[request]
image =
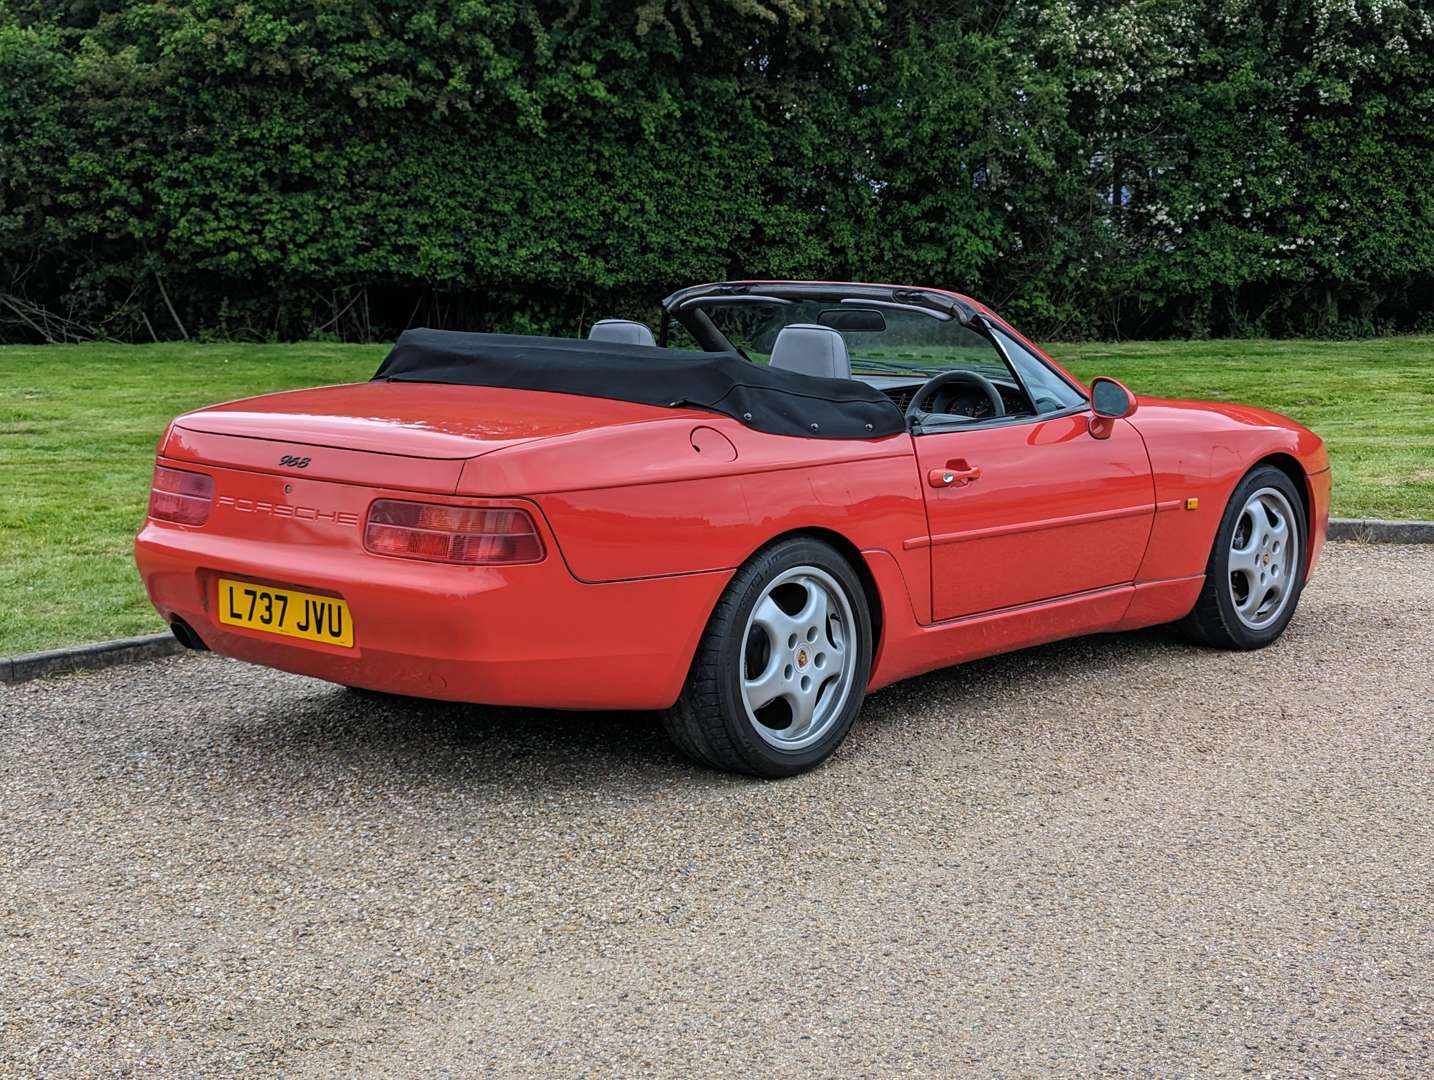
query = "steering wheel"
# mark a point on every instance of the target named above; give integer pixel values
(915, 414)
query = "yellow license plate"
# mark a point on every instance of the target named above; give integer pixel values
(285, 611)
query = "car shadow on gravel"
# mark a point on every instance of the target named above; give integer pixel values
(463, 744)
(469, 744)
(992, 678)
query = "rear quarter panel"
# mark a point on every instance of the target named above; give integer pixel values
(681, 497)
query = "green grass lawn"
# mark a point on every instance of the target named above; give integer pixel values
(1371, 401)
(78, 426)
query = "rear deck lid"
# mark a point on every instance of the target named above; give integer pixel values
(415, 436)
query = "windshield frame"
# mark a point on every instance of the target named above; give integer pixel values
(686, 306)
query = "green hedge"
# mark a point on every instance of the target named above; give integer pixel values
(279, 169)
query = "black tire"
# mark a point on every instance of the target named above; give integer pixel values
(710, 722)
(1215, 620)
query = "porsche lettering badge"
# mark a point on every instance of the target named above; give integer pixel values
(300, 513)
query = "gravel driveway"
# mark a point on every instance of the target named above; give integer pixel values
(1121, 855)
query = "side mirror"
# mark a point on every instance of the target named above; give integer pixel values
(1109, 401)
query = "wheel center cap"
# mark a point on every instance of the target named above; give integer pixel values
(1267, 558)
(801, 658)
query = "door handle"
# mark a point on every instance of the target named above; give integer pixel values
(955, 474)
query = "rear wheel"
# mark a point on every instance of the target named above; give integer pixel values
(781, 670)
(1256, 568)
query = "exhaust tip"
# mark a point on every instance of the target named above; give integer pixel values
(185, 635)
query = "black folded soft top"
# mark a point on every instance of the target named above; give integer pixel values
(766, 399)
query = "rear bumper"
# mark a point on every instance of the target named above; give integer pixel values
(522, 635)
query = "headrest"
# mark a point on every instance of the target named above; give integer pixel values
(811, 350)
(623, 331)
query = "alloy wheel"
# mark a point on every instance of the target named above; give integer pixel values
(1264, 557)
(799, 658)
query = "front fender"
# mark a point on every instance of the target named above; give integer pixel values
(1199, 451)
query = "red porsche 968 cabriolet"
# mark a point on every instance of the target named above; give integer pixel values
(791, 495)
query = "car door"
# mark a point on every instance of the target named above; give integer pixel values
(1032, 507)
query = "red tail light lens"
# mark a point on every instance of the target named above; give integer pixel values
(454, 534)
(183, 497)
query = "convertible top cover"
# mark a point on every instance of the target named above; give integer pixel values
(766, 399)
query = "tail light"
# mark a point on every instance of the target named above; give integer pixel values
(454, 534)
(183, 497)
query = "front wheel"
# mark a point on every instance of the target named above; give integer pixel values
(782, 668)
(1257, 566)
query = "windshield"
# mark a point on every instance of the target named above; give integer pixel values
(879, 340)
